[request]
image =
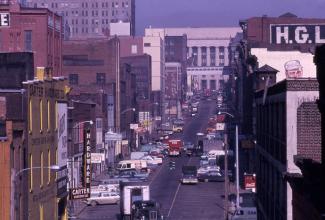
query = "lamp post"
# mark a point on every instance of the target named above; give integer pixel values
(53, 167)
(237, 160)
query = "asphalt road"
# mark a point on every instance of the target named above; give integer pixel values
(198, 202)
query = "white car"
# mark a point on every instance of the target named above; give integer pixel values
(152, 160)
(105, 188)
(103, 198)
(205, 169)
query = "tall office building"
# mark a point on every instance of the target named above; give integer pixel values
(87, 18)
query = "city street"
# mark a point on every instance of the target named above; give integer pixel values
(178, 201)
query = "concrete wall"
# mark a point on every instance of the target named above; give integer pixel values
(154, 46)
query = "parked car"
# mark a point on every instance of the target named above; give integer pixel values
(177, 128)
(152, 159)
(105, 188)
(210, 175)
(133, 174)
(103, 198)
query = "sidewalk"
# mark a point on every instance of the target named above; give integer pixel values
(79, 205)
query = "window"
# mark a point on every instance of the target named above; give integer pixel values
(56, 162)
(147, 44)
(48, 164)
(100, 78)
(42, 170)
(30, 115)
(41, 212)
(0, 40)
(28, 40)
(48, 116)
(31, 172)
(41, 114)
(56, 114)
(134, 49)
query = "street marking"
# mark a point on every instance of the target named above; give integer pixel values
(171, 207)
(174, 199)
(156, 174)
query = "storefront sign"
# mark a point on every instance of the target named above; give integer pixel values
(4, 20)
(297, 34)
(79, 193)
(111, 136)
(133, 126)
(220, 126)
(97, 157)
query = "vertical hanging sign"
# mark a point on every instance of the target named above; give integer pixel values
(87, 159)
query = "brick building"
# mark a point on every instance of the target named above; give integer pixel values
(33, 30)
(287, 128)
(86, 18)
(131, 46)
(44, 95)
(12, 130)
(31, 132)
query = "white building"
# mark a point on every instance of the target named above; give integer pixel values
(209, 53)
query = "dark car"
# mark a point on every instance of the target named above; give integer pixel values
(146, 210)
(211, 176)
(133, 175)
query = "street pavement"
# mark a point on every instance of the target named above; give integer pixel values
(203, 201)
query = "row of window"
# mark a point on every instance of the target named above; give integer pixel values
(74, 78)
(42, 168)
(41, 115)
(104, 5)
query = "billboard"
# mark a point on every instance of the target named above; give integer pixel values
(62, 134)
(297, 33)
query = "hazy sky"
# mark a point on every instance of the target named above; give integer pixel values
(200, 13)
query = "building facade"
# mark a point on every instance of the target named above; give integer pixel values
(173, 89)
(14, 69)
(86, 19)
(43, 97)
(287, 126)
(209, 52)
(33, 30)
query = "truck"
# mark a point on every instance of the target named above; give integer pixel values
(189, 175)
(131, 192)
(175, 147)
(137, 155)
(140, 165)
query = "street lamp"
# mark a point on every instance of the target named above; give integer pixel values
(83, 122)
(237, 160)
(53, 167)
(126, 110)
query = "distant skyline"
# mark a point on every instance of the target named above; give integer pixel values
(218, 13)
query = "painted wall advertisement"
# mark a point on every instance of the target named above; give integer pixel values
(62, 134)
(62, 149)
(297, 33)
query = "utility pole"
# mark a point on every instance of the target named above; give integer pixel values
(226, 176)
(237, 170)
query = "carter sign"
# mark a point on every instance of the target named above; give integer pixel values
(297, 34)
(4, 19)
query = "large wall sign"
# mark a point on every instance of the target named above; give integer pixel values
(4, 20)
(297, 34)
